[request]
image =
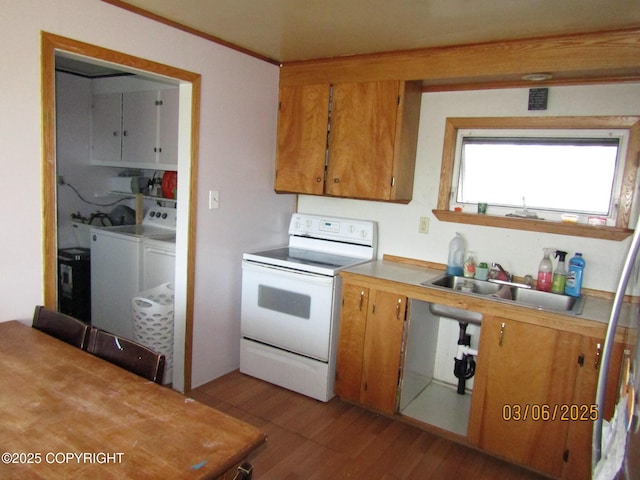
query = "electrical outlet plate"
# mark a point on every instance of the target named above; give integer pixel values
(423, 227)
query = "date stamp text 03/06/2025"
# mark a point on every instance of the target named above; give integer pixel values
(541, 412)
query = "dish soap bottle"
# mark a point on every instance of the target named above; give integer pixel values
(470, 266)
(545, 272)
(560, 273)
(456, 255)
(573, 286)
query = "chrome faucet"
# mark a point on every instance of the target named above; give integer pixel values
(507, 276)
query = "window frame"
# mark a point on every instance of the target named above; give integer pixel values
(622, 228)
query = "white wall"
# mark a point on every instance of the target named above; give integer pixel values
(518, 251)
(237, 145)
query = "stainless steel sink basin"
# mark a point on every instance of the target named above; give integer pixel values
(465, 285)
(546, 300)
(516, 294)
(466, 316)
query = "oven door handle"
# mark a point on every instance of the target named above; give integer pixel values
(289, 272)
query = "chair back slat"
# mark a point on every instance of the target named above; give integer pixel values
(127, 354)
(61, 326)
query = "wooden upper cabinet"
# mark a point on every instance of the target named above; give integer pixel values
(370, 151)
(302, 139)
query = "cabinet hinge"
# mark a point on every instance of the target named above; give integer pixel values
(565, 455)
(373, 309)
(581, 360)
(393, 181)
(158, 103)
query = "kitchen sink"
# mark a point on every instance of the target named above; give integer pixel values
(465, 316)
(465, 285)
(505, 291)
(545, 300)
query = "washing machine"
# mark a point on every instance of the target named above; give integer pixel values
(117, 268)
(158, 260)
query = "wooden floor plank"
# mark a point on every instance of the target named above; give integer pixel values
(312, 440)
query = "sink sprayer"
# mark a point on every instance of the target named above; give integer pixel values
(464, 364)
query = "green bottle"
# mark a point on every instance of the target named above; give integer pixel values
(560, 273)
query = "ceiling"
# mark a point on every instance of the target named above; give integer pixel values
(290, 30)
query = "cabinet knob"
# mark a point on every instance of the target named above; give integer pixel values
(361, 300)
(116, 133)
(336, 180)
(318, 179)
(125, 133)
(398, 308)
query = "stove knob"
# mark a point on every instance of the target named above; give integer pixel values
(164, 215)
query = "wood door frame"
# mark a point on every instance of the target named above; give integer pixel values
(50, 43)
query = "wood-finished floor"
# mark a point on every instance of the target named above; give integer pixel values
(312, 440)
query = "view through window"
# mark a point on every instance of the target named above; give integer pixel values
(577, 172)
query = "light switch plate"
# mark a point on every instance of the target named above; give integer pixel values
(214, 199)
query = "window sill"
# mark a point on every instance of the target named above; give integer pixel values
(574, 229)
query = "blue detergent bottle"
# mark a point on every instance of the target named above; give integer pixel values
(573, 286)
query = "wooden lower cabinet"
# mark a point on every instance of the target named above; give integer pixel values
(369, 346)
(578, 464)
(527, 375)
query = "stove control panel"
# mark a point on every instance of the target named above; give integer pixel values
(348, 230)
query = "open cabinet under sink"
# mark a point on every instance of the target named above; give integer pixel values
(428, 387)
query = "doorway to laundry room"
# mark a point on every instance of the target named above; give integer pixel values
(118, 160)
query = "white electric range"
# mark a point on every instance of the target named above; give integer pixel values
(290, 302)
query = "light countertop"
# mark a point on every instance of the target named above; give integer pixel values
(408, 279)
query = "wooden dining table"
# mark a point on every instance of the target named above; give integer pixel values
(65, 413)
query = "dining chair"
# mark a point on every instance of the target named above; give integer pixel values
(127, 354)
(61, 326)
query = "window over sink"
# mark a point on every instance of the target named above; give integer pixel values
(553, 174)
(542, 174)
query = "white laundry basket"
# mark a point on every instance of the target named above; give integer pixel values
(153, 322)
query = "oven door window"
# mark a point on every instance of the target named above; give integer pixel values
(287, 309)
(284, 301)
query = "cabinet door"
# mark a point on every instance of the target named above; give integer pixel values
(353, 320)
(302, 139)
(362, 139)
(139, 127)
(106, 128)
(382, 349)
(578, 464)
(168, 127)
(523, 370)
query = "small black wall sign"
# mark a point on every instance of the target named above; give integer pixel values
(538, 98)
